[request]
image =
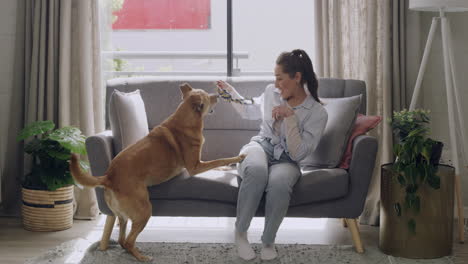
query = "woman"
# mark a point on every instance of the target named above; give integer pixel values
(293, 122)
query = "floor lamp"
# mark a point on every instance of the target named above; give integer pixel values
(456, 123)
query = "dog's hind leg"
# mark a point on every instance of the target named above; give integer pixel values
(139, 213)
(110, 220)
(123, 230)
(137, 226)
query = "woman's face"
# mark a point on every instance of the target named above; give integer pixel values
(284, 83)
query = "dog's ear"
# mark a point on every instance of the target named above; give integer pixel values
(185, 89)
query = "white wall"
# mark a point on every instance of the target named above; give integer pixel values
(7, 44)
(433, 85)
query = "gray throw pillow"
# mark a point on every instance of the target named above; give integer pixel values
(128, 118)
(342, 114)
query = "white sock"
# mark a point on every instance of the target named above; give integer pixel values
(268, 252)
(244, 249)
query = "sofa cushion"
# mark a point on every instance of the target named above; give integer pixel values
(213, 185)
(362, 125)
(224, 143)
(339, 88)
(317, 185)
(128, 118)
(162, 96)
(222, 186)
(342, 113)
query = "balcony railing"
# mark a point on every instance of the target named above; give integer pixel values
(149, 55)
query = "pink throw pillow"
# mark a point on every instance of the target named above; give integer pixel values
(362, 125)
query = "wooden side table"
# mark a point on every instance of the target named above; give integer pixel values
(434, 222)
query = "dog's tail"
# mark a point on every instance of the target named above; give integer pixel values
(84, 178)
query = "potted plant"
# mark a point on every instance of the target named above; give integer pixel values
(411, 130)
(48, 189)
(416, 158)
(416, 192)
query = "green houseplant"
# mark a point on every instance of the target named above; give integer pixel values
(416, 198)
(416, 158)
(47, 191)
(51, 150)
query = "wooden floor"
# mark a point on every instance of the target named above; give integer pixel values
(17, 244)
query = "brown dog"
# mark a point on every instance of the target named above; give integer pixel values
(173, 145)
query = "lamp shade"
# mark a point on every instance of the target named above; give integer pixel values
(436, 5)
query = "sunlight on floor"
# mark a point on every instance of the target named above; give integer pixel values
(219, 230)
(78, 252)
(163, 222)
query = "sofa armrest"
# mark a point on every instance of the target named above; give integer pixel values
(361, 169)
(100, 154)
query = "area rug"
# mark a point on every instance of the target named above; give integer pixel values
(83, 252)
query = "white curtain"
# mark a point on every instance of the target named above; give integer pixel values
(354, 41)
(81, 95)
(58, 78)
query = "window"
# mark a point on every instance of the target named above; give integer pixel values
(190, 37)
(265, 28)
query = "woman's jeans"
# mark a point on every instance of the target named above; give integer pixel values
(260, 173)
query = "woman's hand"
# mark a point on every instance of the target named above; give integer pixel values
(225, 86)
(280, 112)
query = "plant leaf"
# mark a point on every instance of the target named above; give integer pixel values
(396, 149)
(70, 138)
(411, 189)
(426, 151)
(407, 201)
(33, 147)
(434, 181)
(55, 178)
(62, 155)
(418, 132)
(401, 180)
(397, 208)
(412, 226)
(417, 204)
(35, 128)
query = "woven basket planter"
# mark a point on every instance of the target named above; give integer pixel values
(47, 210)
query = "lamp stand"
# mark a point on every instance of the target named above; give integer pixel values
(456, 123)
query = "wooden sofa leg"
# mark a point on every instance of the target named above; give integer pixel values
(110, 220)
(353, 227)
(343, 220)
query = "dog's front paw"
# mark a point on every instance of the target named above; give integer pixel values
(241, 157)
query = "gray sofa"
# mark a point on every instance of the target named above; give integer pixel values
(320, 192)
